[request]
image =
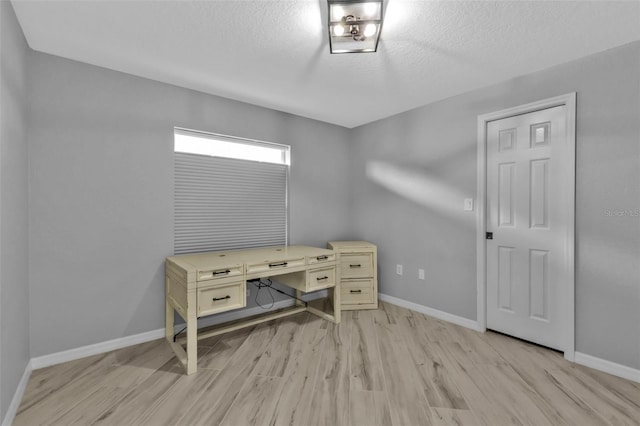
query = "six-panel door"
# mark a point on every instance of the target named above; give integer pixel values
(525, 259)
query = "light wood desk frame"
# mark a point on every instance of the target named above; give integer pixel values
(203, 284)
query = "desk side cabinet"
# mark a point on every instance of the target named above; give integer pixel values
(358, 272)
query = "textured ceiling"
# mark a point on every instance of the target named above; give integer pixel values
(275, 53)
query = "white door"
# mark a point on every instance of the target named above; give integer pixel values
(527, 187)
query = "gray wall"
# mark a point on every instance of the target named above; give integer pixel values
(101, 153)
(411, 172)
(14, 285)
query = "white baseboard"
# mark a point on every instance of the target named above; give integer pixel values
(97, 348)
(445, 316)
(607, 366)
(17, 396)
(123, 342)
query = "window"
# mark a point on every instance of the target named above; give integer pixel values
(230, 193)
(191, 142)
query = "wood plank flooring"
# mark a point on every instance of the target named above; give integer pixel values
(391, 366)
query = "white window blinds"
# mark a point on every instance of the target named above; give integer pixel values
(228, 203)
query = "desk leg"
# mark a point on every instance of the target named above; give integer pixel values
(192, 333)
(298, 295)
(168, 314)
(336, 303)
(169, 325)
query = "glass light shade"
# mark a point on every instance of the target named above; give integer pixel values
(337, 12)
(371, 9)
(369, 30)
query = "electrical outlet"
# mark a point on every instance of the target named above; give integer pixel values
(421, 274)
(399, 269)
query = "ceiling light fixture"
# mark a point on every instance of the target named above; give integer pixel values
(354, 25)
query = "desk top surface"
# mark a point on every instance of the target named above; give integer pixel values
(219, 259)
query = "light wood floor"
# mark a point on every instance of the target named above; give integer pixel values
(386, 367)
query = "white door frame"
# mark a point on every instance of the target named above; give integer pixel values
(568, 305)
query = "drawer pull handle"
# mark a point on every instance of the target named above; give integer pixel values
(215, 299)
(273, 265)
(357, 265)
(322, 278)
(221, 272)
(356, 291)
(322, 257)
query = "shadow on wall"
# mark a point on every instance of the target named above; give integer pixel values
(418, 186)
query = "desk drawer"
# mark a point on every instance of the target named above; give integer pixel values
(321, 278)
(275, 265)
(356, 265)
(313, 260)
(357, 292)
(229, 271)
(221, 298)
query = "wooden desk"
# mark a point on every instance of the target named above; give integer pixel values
(202, 284)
